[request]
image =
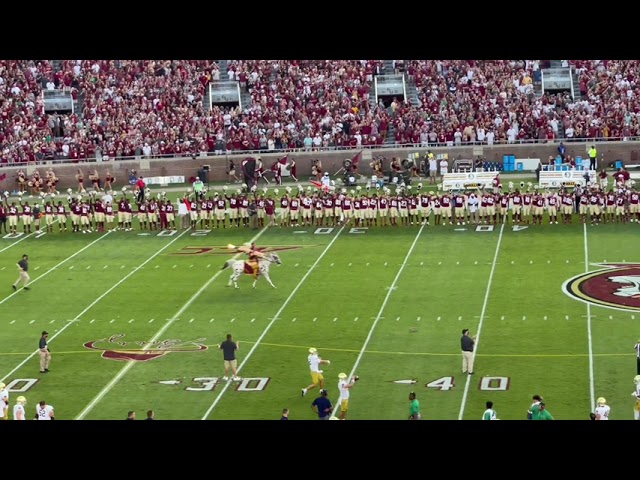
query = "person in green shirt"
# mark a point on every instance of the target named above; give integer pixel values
(414, 408)
(534, 409)
(490, 413)
(543, 413)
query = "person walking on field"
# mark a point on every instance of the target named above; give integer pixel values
(45, 354)
(467, 344)
(229, 349)
(23, 267)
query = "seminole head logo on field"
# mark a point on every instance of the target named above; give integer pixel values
(616, 286)
(114, 348)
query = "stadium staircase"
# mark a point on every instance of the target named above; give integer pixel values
(57, 65)
(387, 65)
(576, 84)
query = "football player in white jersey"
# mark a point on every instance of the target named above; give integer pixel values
(4, 402)
(344, 386)
(44, 411)
(602, 409)
(18, 408)
(317, 379)
(636, 394)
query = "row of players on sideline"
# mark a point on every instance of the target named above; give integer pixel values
(322, 208)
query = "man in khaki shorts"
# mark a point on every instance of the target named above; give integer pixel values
(23, 267)
(229, 349)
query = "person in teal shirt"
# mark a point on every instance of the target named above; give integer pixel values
(543, 413)
(414, 408)
(534, 410)
(490, 413)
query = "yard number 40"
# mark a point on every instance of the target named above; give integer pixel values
(487, 384)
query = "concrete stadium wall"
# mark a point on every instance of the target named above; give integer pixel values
(331, 161)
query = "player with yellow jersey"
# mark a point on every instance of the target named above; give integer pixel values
(344, 385)
(636, 394)
(317, 379)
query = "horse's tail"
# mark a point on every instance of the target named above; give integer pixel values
(227, 264)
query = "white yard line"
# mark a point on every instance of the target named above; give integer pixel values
(13, 244)
(56, 266)
(589, 335)
(96, 300)
(482, 314)
(379, 316)
(112, 383)
(273, 320)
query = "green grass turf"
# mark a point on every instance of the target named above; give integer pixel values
(351, 295)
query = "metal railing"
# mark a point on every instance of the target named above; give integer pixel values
(586, 142)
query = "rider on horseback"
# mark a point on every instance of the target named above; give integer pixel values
(254, 254)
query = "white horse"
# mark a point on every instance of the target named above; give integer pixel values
(241, 267)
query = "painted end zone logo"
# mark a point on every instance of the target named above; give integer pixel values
(224, 250)
(113, 348)
(616, 286)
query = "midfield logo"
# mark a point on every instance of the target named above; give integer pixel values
(616, 286)
(224, 250)
(113, 348)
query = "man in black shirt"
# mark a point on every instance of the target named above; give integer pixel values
(229, 349)
(23, 267)
(466, 344)
(322, 406)
(45, 354)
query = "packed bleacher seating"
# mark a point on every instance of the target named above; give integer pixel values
(152, 108)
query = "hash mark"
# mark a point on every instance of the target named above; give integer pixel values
(336, 318)
(459, 318)
(34, 268)
(438, 318)
(296, 264)
(355, 319)
(232, 320)
(253, 320)
(367, 264)
(92, 320)
(6, 267)
(315, 318)
(501, 317)
(545, 317)
(439, 263)
(421, 263)
(457, 263)
(294, 319)
(191, 321)
(151, 320)
(331, 265)
(105, 267)
(566, 317)
(548, 261)
(397, 319)
(208, 265)
(566, 261)
(418, 319)
(31, 322)
(157, 266)
(633, 317)
(112, 320)
(385, 264)
(475, 263)
(610, 317)
(122, 267)
(174, 266)
(211, 320)
(524, 317)
(349, 264)
(131, 320)
(12, 322)
(530, 262)
(190, 266)
(512, 262)
(51, 321)
(71, 267)
(88, 267)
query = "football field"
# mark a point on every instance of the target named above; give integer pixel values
(135, 319)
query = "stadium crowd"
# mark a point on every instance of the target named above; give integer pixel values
(152, 108)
